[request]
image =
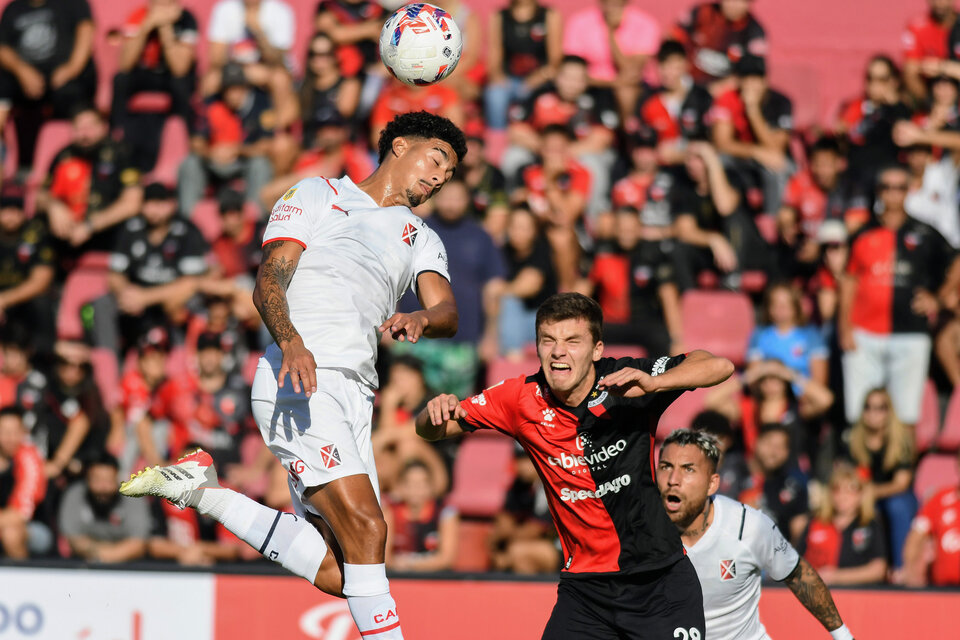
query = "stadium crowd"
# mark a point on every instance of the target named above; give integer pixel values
(652, 166)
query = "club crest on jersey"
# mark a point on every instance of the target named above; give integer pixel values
(409, 235)
(728, 569)
(330, 456)
(289, 193)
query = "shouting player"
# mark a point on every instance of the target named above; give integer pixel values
(337, 257)
(730, 544)
(588, 423)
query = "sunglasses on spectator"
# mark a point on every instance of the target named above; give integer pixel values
(886, 186)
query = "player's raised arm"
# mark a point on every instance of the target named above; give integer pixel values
(813, 594)
(441, 418)
(698, 369)
(280, 259)
(437, 319)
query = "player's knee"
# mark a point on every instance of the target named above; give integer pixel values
(369, 527)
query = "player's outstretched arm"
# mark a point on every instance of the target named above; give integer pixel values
(813, 594)
(437, 319)
(699, 369)
(440, 418)
(280, 259)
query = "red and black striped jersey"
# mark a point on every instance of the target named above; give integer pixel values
(596, 463)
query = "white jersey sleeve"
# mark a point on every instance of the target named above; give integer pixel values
(300, 212)
(429, 255)
(773, 553)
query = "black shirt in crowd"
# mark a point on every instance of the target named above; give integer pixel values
(181, 253)
(42, 33)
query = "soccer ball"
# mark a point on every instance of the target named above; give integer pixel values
(420, 44)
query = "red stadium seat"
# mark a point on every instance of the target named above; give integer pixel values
(473, 549)
(54, 136)
(174, 147)
(149, 102)
(482, 474)
(206, 215)
(928, 426)
(935, 471)
(504, 369)
(83, 285)
(106, 373)
(718, 321)
(949, 439)
(680, 414)
(624, 351)
(767, 226)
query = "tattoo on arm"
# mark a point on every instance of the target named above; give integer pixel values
(272, 282)
(813, 594)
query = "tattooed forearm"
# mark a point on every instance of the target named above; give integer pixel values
(270, 294)
(813, 594)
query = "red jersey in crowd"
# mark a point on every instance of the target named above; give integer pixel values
(597, 465)
(354, 163)
(631, 191)
(185, 31)
(776, 108)
(575, 179)
(715, 43)
(826, 546)
(940, 518)
(238, 255)
(23, 484)
(672, 120)
(889, 267)
(399, 98)
(814, 205)
(925, 38)
(135, 396)
(420, 533)
(594, 108)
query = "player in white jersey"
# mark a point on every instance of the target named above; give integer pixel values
(337, 257)
(731, 544)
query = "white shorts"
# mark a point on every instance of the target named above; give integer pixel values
(897, 362)
(316, 439)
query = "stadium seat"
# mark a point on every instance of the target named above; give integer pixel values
(935, 471)
(149, 102)
(718, 321)
(106, 373)
(473, 550)
(928, 426)
(623, 351)
(206, 215)
(680, 414)
(482, 474)
(504, 369)
(767, 226)
(949, 439)
(83, 285)
(174, 147)
(54, 136)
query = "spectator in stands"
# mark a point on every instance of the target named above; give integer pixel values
(589, 112)
(937, 522)
(752, 124)
(422, 530)
(257, 35)
(635, 284)
(26, 271)
(717, 35)
(397, 97)
(395, 441)
(825, 284)
(218, 314)
(941, 112)
(523, 52)
(867, 122)
(733, 469)
(206, 405)
(93, 186)
(714, 231)
(468, 76)
(487, 186)
(232, 142)
(784, 335)
(845, 542)
(529, 281)
(925, 43)
(20, 383)
(100, 525)
(932, 194)
(158, 54)
(354, 26)
(556, 190)
(883, 321)
(616, 40)
(677, 109)
(138, 386)
(777, 486)
(154, 271)
(883, 448)
(22, 483)
(234, 258)
(46, 66)
(524, 540)
(476, 273)
(645, 188)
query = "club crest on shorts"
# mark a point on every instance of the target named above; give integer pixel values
(409, 235)
(330, 456)
(728, 569)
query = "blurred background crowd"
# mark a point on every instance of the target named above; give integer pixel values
(651, 165)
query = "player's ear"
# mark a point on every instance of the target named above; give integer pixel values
(714, 484)
(400, 146)
(597, 350)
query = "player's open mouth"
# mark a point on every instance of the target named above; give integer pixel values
(559, 366)
(673, 503)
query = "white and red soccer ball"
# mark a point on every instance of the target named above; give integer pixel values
(420, 44)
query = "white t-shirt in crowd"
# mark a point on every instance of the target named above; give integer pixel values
(740, 544)
(228, 26)
(358, 260)
(935, 202)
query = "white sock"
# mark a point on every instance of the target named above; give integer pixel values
(288, 540)
(368, 596)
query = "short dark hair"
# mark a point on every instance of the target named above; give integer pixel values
(712, 422)
(13, 411)
(558, 129)
(826, 144)
(890, 166)
(102, 458)
(415, 464)
(569, 306)
(84, 107)
(706, 442)
(572, 59)
(423, 125)
(670, 48)
(774, 427)
(230, 200)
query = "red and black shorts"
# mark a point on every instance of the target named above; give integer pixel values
(654, 605)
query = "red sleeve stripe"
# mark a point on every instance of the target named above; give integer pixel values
(299, 242)
(376, 632)
(331, 186)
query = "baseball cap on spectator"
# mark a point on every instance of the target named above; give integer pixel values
(750, 65)
(12, 196)
(644, 136)
(156, 338)
(158, 191)
(474, 130)
(230, 200)
(233, 76)
(832, 232)
(209, 340)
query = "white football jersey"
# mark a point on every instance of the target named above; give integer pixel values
(358, 260)
(740, 544)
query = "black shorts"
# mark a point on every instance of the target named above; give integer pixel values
(658, 605)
